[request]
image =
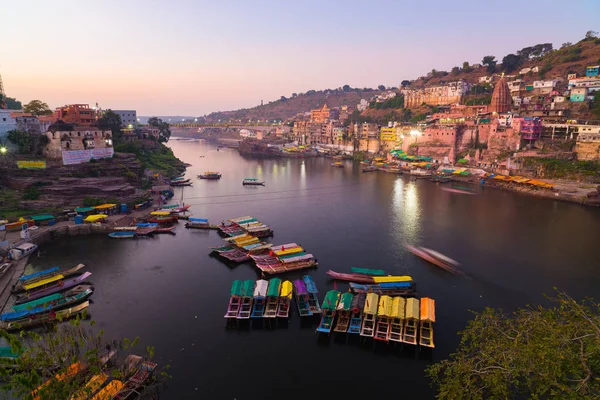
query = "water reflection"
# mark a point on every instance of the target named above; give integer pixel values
(406, 209)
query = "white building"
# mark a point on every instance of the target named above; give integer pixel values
(485, 79)
(7, 123)
(545, 84)
(515, 86)
(128, 117)
(362, 106)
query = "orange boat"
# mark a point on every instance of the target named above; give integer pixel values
(16, 226)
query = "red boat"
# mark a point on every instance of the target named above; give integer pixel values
(358, 278)
(168, 229)
(436, 259)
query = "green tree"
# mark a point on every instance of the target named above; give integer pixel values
(111, 120)
(381, 87)
(591, 34)
(165, 132)
(28, 143)
(490, 63)
(13, 104)
(466, 67)
(510, 62)
(405, 83)
(455, 70)
(37, 107)
(566, 44)
(536, 352)
(346, 88)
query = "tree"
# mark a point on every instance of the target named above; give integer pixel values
(283, 98)
(111, 120)
(591, 34)
(510, 62)
(535, 352)
(165, 132)
(405, 83)
(381, 87)
(37, 107)
(294, 94)
(455, 70)
(13, 104)
(28, 143)
(346, 88)
(490, 62)
(466, 67)
(566, 44)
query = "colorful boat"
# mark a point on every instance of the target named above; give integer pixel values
(259, 296)
(252, 182)
(337, 164)
(92, 387)
(235, 300)
(22, 250)
(367, 328)
(235, 255)
(131, 387)
(48, 317)
(367, 271)
(329, 307)
(55, 305)
(122, 235)
(165, 229)
(427, 320)
(53, 299)
(358, 304)
(26, 280)
(302, 298)
(57, 287)
(285, 299)
(343, 313)
(272, 298)
(199, 223)
(146, 224)
(397, 319)
(445, 263)
(210, 175)
(412, 315)
(246, 299)
(361, 278)
(390, 289)
(370, 168)
(18, 225)
(109, 391)
(313, 294)
(384, 315)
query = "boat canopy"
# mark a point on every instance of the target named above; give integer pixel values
(40, 218)
(146, 224)
(198, 220)
(398, 306)
(261, 288)
(300, 286)
(381, 279)
(331, 300)
(345, 301)
(236, 288)
(291, 250)
(304, 257)
(43, 282)
(412, 308)
(358, 302)
(371, 304)
(274, 287)
(394, 285)
(84, 209)
(310, 284)
(286, 289)
(37, 303)
(284, 246)
(367, 271)
(240, 218)
(293, 255)
(105, 206)
(248, 288)
(109, 390)
(385, 306)
(45, 272)
(6, 352)
(427, 309)
(95, 217)
(160, 213)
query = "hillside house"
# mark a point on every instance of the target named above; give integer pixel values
(65, 137)
(578, 94)
(592, 71)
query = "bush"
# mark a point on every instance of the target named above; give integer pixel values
(32, 193)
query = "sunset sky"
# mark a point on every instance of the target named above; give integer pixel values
(194, 57)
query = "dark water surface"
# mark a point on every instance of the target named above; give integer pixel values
(172, 294)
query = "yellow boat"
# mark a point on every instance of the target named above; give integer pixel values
(384, 313)
(291, 250)
(105, 206)
(95, 218)
(367, 328)
(385, 279)
(161, 213)
(412, 320)
(90, 387)
(396, 326)
(71, 371)
(109, 390)
(43, 282)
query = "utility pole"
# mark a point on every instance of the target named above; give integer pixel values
(2, 95)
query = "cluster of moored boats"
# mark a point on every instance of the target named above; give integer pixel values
(212, 175)
(159, 221)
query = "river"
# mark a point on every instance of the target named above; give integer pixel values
(168, 290)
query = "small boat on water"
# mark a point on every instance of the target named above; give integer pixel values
(386, 288)
(113, 387)
(459, 191)
(437, 259)
(210, 175)
(427, 320)
(4, 267)
(272, 298)
(133, 384)
(411, 322)
(329, 307)
(53, 299)
(420, 173)
(146, 224)
(252, 182)
(165, 229)
(122, 235)
(22, 250)
(384, 314)
(337, 164)
(259, 297)
(26, 280)
(367, 271)
(246, 299)
(362, 278)
(441, 178)
(47, 317)
(302, 296)
(370, 168)
(56, 287)
(343, 313)
(313, 293)
(54, 305)
(199, 223)
(356, 307)
(285, 299)
(367, 328)
(397, 319)
(233, 308)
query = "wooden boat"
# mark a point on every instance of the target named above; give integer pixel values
(272, 298)
(365, 162)
(199, 223)
(329, 307)
(259, 296)
(313, 293)
(109, 391)
(370, 168)
(441, 178)
(441, 256)
(235, 255)
(53, 299)
(356, 307)
(4, 267)
(350, 277)
(146, 225)
(252, 182)
(235, 300)
(210, 175)
(165, 229)
(384, 315)
(397, 319)
(185, 182)
(458, 191)
(412, 314)
(54, 305)
(122, 235)
(26, 280)
(48, 317)
(92, 387)
(18, 225)
(390, 289)
(22, 250)
(367, 271)
(433, 259)
(133, 384)
(57, 287)
(337, 164)
(285, 299)
(343, 313)
(302, 297)
(246, 299)
(367, 329)
(420, 173)
(427, 320)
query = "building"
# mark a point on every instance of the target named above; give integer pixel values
(592, 71)
(544, 87)
(320, 115)
(515, 86)
(65, 137)
(33, 125)
(578, 94)
(389, 133)
(369, 130)
(362, 106)
(528, 70)
(485, 79)
(79, 114)
(590, 82)
(450, 93)
(128, 117)
(529, 128)
(501, 99)
(7, 122)
(587, 145)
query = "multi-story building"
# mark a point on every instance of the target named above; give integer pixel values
(128, 117)
(578, 94)
(592, 83)
(592, 70)
(66, 138)
(529, 128)
(27, 122)
(389, 134)
(450, 93)
(80, 114)
(369, 130)
(320, 115)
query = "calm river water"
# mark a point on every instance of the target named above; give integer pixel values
(173, 295)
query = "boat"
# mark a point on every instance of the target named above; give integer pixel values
(47, 317)
(302, 296)
(164, 229)
(272, 298)
(361, 278)
(146, 224)
(96, 218)
(441, 178)
(210, 175)
(367, 271)
(235, 300)
(384, 315)
(441, 256)
(258, 298)
(313, 292)
(22, 250)
(53, 299)
(4, 267)
(18, 225)
(458, 191)
(109, 391)
(389, 288)
(365, 162)
(199, 223)
(443, 262)
(411, 321)
(370, 168)
(337, 164)
(132, 385)
(57, 287)
(397, 319)
(426, 323)
(367, 329)
(285, 299)
(252, 182)
(122, 235)
(246, 299)
(420, 173)
(92, 387)
(54, 305)
(343, 313)
(356, 307)
(235, 255)
(329, 307)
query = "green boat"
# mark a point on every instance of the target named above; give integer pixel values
(328, 306)
(367, 271)
(343, 313)
(235, 300)
(246, 299)
(272, 298)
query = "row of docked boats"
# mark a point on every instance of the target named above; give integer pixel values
(245, 225)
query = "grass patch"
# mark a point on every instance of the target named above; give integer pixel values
(159, 159)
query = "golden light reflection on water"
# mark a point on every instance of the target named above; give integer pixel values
(302, 175)
(275, 169)
(406, 211)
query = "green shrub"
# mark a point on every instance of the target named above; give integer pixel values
(32, 193)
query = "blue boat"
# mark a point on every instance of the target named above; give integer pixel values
(329, 305)
(358, 303)
(147, 224)
(122, 235)
(53, 305)
(313, 292)
(259, 298)
(40, 275)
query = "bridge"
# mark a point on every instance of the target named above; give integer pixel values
(224, 125)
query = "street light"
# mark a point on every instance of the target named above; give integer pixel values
(3, 150)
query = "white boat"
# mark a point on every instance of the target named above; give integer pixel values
(22, 250)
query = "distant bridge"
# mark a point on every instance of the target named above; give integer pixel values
(224, 125)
